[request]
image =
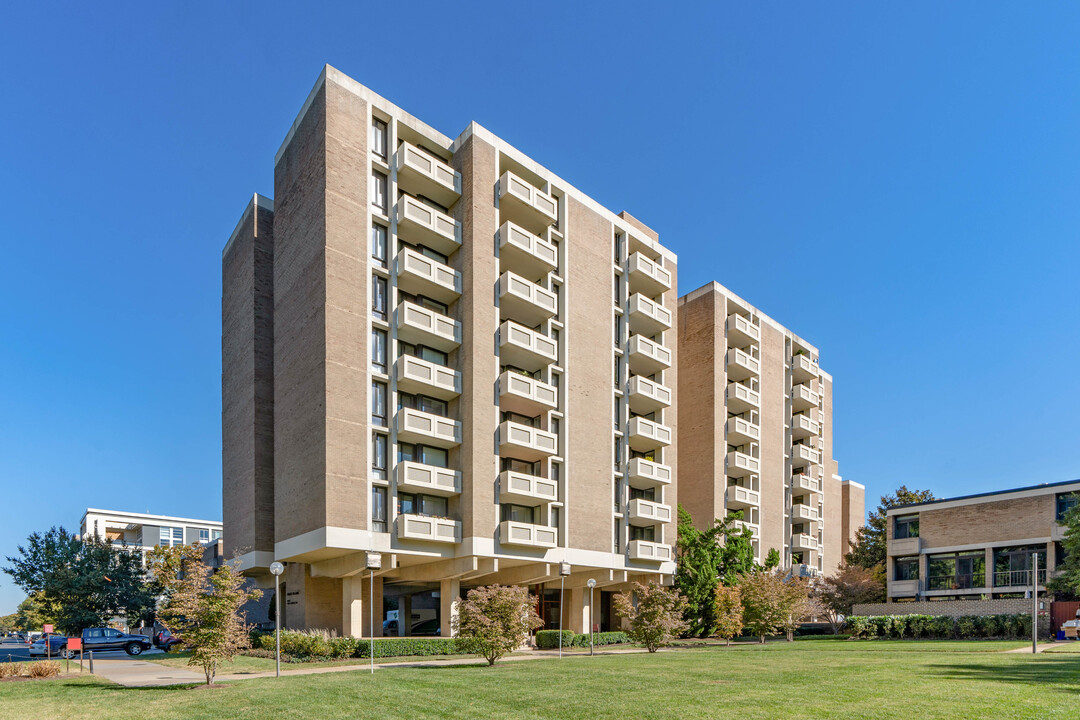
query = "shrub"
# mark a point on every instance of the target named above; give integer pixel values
(549, 639)
(857, 626)
(918, 625)
(967, 626)
(600, 638)
(655, 614)
(10, 669)
(992, 626)
(43, 669)
(410, 647)
(941, 626)
(497, 619)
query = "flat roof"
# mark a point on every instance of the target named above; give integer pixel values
(960, 498)
(147, 516)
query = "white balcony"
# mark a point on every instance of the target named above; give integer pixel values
(644, 474)
(426, 378)
(741, 365)
(527, 534)
(419, 224)
(428, 479)
(739, 464)
(648, 395)
(803, 369)
(804, 455)
(741, 332)
(418, 274)
(648, 435)
(525, 253)
(804, 513)
(647, 317)
(743, 525)
(430, 529)
(647, 276)
(802, 541)
(415, 426)
(524, 301)
(741, 398)
(649, 551)
(647, 357)
(524, 348)
(645, 512)
(802, 426)
(803, 398)
(740, 432)
(524, 489)
(741, 498)
(419, 173)
(526, 443)
(525, 204)
(801, 482)
(424, 326)
(525, 395)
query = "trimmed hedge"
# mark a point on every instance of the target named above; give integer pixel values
(549, 639)
(309, 645)
(943, 627)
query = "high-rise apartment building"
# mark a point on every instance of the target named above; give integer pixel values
(438, 350)
(756, 433)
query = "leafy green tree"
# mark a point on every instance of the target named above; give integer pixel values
(870, 546)
(772, 560)
(656, 618)
(202, 606)
(84, 583)
(728, 612)
(771, 604)
(32, 613)
(495, 620)
(1067, 580)
(705, 559)
(851, 585)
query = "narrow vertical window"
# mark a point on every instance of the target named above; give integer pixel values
(378, 350)
(378, 245)
(378, 297)
(378, 509)
(378, 191)
(378, 403)
(615, 534)
(379, 453)
(618, 371)
(618, 289)
(618, 330)
(378, 138)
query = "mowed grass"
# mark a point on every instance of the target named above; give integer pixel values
(242, 664)
(816, 679)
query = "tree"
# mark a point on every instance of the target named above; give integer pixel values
(32, 613)
(850, 585)
(705, 559)
(728, 612)
(800, 606)
(7, 623)
(201, 606)
(869, 548)
(770, 603)
(84, 583)
(1067, 580)
(772, 560)
(656, 618)
(496, 619)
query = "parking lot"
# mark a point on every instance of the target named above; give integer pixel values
(15, 651)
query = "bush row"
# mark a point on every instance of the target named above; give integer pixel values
(549, 639)
(943, 627)
(36, 669)
(308, 645)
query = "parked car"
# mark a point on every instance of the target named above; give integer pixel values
(57, 643)
(166, 640)
(111, 639)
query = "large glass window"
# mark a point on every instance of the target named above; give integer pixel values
(379, 453)
(906, 526)
(378, 138)
(379, 191)
(415, 504)
(378, 403)
(204, 535)
(956, 571)
(378, 509)
(1013, 565)
(378, 350)
(1065, 503)
(424, 353)
(378, 245)
(379, 297)
(643, 533)
(518, 513)
(168, 535)
(906, 568)
(423, 403)
(424, 454)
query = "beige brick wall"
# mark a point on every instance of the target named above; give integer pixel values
(954, 608)
(987, 522)
(775, 442)
(854, 515)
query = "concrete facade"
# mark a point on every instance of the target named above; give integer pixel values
(143, 531)
(757, 434)
(977, 547)
(443, 400)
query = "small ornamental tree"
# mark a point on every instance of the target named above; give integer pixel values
(496, 619)
(765, 602)
(799, 606)
(851, 585)
(657, 618)
(200, 606)
(729, 612)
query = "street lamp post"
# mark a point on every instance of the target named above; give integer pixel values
(277, 568)
(1034, 602)
(564, 570)
(592, 584)
(374, 562)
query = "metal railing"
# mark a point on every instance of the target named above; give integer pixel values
(956, 582)
(1017, 578)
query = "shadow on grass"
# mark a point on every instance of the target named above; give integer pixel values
(1052, 673)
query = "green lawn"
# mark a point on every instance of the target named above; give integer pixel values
(243, 664)
(817, 679)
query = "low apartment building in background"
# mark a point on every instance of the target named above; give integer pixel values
(145, 531)
(977, 547)
(756, 433)
(437, 350)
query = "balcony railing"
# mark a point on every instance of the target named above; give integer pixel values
(525, 395)
(422, 225)
(805, 483)
(418, 274)
(524, 348)
(740, 464)
(956, 582)
(527, 534)
(428, 479)
(416, 426)
(740, 432)
(523, 489)
(526, 443)
(739, 497)
(649, 551)
(647, 317)
(647, 356)
(741, 398)
(415, 375)
(646, 512)
(803, 368)
(648, 435)
(741, 365)
(422, 174)
(802, 541)
(525, 253)
(525, 301)
(803, 398)
(741, 332)
(647, 276)
(644, 474)
(423, 326)
(525, 204)
(431, 529)
(647, 395)
(1017, 578)
(802, 426)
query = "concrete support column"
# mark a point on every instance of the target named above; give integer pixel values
(577, 610)
(1050, 560)
(404, 615)
(924, 572)
(357, 606)
(449, 590)
(989, 570)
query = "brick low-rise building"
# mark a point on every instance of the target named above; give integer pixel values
(977, 546)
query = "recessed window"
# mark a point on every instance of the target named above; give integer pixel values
(168, 535)
(378, 245)
(906, 526)
(416, 504)
(906, 568)
(379, 297)
(379, 138)
(204, 535)
(379, 453)
(378, 350)
(518, 513)
(379, 185)
(378, 403)
(378, 509)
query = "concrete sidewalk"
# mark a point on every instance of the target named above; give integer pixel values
(140, 673)
(1038, 648)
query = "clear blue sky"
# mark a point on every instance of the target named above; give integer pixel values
(897, 184)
